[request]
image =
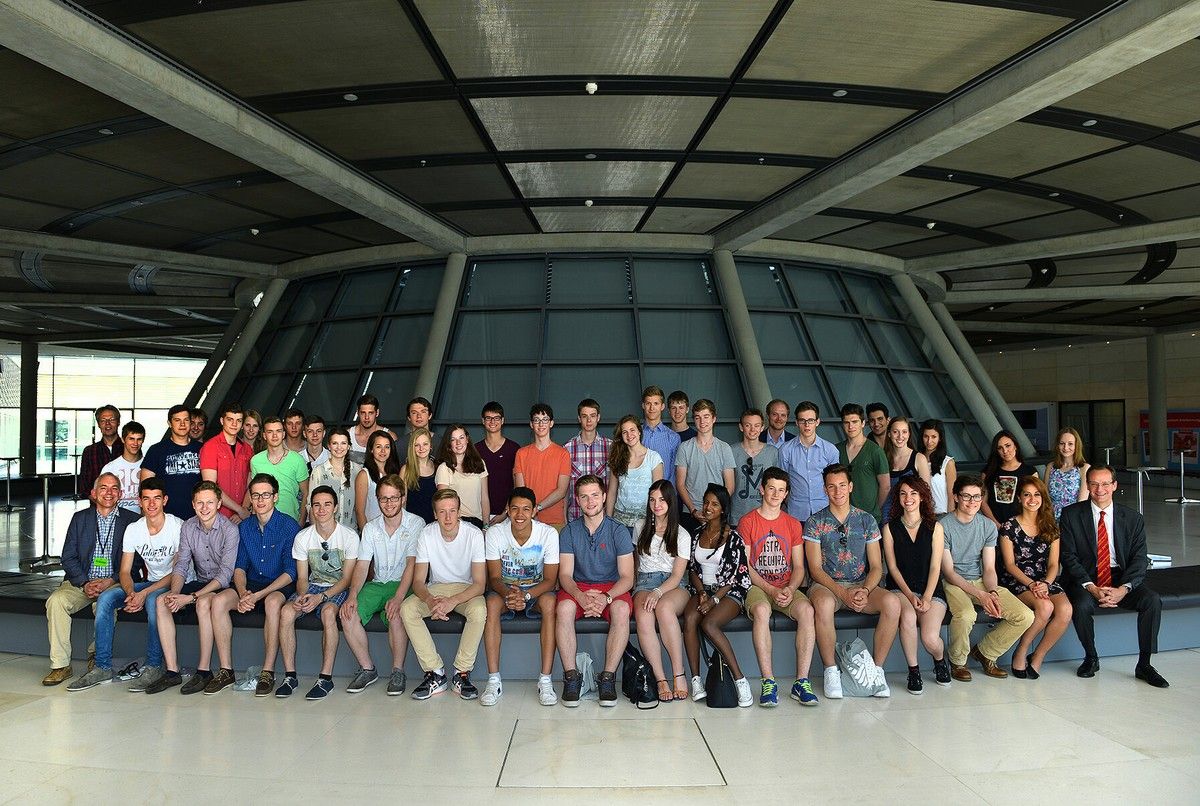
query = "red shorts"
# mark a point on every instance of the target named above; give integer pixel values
(605, 587)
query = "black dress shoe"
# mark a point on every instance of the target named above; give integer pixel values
(1151, 676)
(1029, 670)
(1088, 668)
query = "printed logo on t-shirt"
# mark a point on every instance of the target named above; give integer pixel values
(772, 563)
(749, 479)
(156, 554)
(522, 565)
(1005, 489)
(181, 464)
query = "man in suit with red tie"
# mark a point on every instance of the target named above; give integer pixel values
(1104, 554)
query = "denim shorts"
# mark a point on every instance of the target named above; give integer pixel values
(531, 610)
(650, 580)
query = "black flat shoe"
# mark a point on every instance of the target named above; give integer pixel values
(1088, 668)
(1151, 676)
(1029, 670)
(1020, 674)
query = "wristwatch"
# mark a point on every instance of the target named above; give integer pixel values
(527, 597)
(716, 600)
(324, 597)
(608, 598)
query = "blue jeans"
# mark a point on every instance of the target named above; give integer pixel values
(107, 605)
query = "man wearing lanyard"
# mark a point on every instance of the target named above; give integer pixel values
(94, 540)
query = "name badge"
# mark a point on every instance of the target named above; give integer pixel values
(100, 562)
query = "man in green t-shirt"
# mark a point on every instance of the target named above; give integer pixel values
(286, 466)
(869, 471)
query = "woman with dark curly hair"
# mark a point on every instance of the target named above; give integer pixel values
(913, 543)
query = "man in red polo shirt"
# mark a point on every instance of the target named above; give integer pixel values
(225, 459)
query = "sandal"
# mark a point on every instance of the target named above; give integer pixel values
(664, 691)
(681, 693)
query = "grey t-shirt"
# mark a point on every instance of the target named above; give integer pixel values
(747, 477)
(703, 468)
(966, 542)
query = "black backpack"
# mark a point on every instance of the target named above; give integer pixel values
(637, 679)
(722, 693)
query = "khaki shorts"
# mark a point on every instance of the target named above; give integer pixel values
(838, 604)
(756, 596)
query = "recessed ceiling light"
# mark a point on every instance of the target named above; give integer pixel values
(105, 132)
(761, 160)
(1054, 194)
(1141, 307)
(1001, 352)
(422, 163)
(949, 176)
(989, 341)
(1045, 271)
(840, 93)
(254, 230)
(1108, 342)
(237, 182)
(931, 225)
(349, 97)
(1035, 349)
(1070, 345)
(588, 203)
(591, 87)
(1090, 122)
(589, 156)
(991, 307)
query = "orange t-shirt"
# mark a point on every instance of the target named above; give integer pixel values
(541, 470)
(769, 545)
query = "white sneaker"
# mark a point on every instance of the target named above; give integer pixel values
(885, 692)
(745, 698)
(833, 683)
(546, 695)
(698, 692)
(491, 692)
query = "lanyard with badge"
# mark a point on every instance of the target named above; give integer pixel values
(100, 559)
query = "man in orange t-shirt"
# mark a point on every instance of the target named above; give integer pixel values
(545, 468)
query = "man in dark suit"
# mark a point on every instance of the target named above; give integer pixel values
(1104, 554)
(91, 559)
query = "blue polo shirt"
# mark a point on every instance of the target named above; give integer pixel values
(595, 552)
(663, 441)
(265, 553)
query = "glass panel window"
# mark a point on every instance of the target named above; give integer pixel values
(401, 340)
(323, 393)
(497, 336)
(492, 284)
(763, 285)
(780, 338)
(720, 384)
(794, 384)
(841, 340)
(613, 387)
(585, 335)
(598, 281)
(674, 282)
(417, 288)
(311, 301)
(853, 385)
(287, 349)
(684, 334)
(465, 389)
(872, 295)
(896, 342)
(924, 396)
(266, 395)
(341, 344)
(363, 293)
(817, 290)
(966, 442)
(393, 387)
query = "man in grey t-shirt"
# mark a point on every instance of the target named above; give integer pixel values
(969, 574)
(750, 458)
(700, 462)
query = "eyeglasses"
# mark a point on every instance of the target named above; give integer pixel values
(540, 421)
(492, 418)
(970, 498)
(262, 496)
(807, 421)
(103, 420)
(391, 499)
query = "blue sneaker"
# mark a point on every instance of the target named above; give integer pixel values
(769, 697)
(320, 691)
(802, 692)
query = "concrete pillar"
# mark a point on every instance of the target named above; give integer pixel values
(745, 345)
(439, 328)
(219, 354)
(959, 374)
(27, 440)
(1156, 376)
(971, 361)
(255, 325)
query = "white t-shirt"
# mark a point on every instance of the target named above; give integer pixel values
(522, 565)
(450, 561)
(659, 560)
(390, 552)
(127, 472)
(158, 551)
(325, 562)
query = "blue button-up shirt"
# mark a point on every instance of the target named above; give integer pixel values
(665, 442)
(265, 553)
(804, 465)
(785, 436)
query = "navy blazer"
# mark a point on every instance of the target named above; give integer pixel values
(1079, 544)
(80, 543)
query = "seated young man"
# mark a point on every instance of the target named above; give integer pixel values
(208, 545)
(595, 575)
(450, 557)
(845, 562)
(969, 578)
(391, 541)
(522, 572)
(325, 555)
(155, 538)
(775, 549)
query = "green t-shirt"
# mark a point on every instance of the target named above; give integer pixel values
(290, 471)
(870, 463)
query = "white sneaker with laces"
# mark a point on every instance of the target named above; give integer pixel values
(491, 692)
(546, 695)
(745, 698)
(833, 683)
(885, 692)
(698, 692)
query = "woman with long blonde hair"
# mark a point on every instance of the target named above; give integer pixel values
(1066, 475)
(418, 473)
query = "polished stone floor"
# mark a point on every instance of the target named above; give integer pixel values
(1056, 740)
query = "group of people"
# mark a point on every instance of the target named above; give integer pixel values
(664, 525)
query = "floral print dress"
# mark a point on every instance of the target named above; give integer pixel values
(1031, 554)
(1064, 488)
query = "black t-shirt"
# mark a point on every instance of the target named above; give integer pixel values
(1002, 491)
(179, 468)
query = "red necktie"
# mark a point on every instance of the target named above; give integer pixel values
(1103, 572)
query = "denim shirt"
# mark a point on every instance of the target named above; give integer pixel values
(265, 553)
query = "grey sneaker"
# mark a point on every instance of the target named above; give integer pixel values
(397, 683)
(90, 679)
(362, 679)
(149, 676)
(196, 683)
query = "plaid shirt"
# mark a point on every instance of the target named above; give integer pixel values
(585, 459)
(93, 460)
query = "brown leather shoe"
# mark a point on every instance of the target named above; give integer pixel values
(56, 676)
(960, 673)
(989, 667)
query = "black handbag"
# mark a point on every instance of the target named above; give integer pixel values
(722, 692)
(637, 679)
